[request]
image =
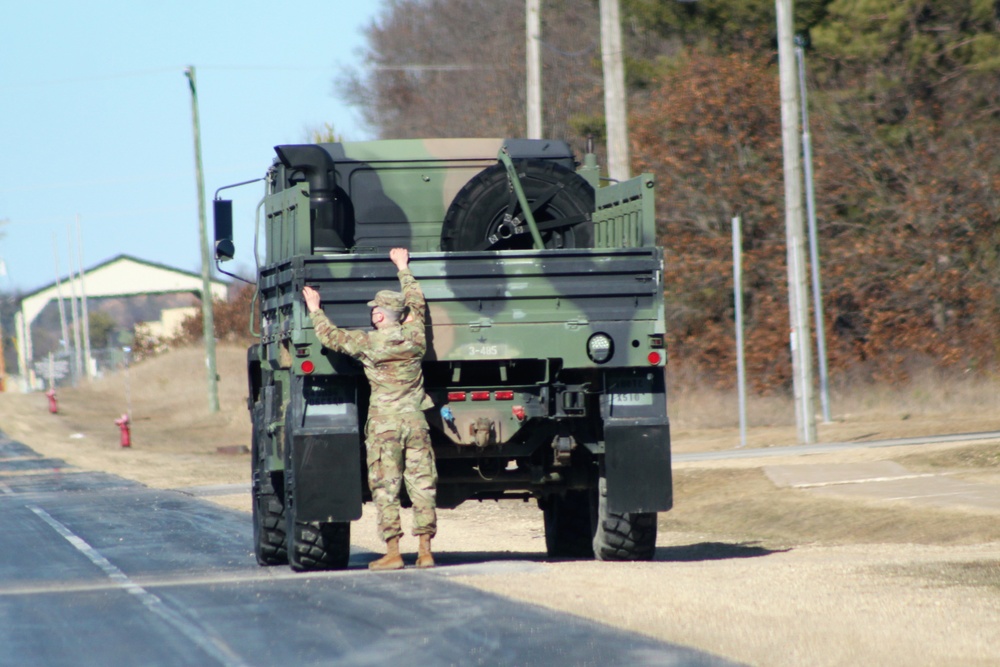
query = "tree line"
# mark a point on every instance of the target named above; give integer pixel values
(904, 104)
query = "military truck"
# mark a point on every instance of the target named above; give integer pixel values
(545, 335)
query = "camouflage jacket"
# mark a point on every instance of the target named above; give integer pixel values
(391, 356)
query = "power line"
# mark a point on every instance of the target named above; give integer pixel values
(160, 70)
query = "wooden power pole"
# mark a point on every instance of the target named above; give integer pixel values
(533, 65)
(615, 116)
(206, 267)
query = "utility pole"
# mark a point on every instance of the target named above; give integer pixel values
(23, 351)
(615, 116)
(83, 301)
(533, 51)
(62, 308)
(75, 310)
(206, 275)
(3, 363)
(800, 337)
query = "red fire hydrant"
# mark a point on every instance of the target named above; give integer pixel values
(122, 423)
(53, 405)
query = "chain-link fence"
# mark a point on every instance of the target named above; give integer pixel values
(60, 369)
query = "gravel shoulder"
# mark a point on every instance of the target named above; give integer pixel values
(745, 568)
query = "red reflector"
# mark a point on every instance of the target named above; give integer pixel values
(653, 358)
(480, 396)
(456, 395)
(505, 395)
(308, 367)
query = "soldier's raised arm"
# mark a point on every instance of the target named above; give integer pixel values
(413, 296)
(328, 333)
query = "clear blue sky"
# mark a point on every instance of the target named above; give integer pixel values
(96, 119)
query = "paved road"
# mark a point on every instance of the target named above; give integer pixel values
(98, 570)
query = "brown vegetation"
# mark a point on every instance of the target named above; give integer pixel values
(904, 107)
(232, 318)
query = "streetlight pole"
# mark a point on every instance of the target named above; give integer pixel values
(206, 276)
(824, 380)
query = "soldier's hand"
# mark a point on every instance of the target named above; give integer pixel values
(312, 298)
(400, 257)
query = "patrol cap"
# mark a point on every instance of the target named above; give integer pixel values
(387, 299)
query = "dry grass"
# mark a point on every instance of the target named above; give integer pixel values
(931, 403)
(931, 393)
(743, 506)
(167, 397)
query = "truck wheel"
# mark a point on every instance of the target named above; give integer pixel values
(313, 545)
(475, 219)
(628, 536)
(318, 545)
(269, 530)
(569, 525)
(268, 508)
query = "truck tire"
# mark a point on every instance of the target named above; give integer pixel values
(569, 525)
(318, 545)
(268, 508)
(628, 536)
(313, 545)
(269, 530)
(475, 219)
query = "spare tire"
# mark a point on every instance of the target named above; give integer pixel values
(561, 200)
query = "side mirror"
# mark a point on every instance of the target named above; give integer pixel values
(222, 212)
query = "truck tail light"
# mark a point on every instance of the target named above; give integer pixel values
(504, 395)
(456, 395)
(307, 367)
(654, 358)
(480, 396)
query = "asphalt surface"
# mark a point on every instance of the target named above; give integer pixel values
(99, 570)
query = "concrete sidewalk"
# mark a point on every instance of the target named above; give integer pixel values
(887, 481)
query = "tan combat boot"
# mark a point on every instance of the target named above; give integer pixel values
(424, 557)
(391, 560)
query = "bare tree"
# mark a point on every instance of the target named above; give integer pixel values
(453, 68)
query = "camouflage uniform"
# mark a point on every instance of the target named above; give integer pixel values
(396, 436)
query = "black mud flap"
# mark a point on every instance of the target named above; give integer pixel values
(637, 441)
(637, 465)
(326, 477)
(325, 455)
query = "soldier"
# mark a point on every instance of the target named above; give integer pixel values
(396, 435)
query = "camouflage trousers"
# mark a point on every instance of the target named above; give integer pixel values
(399, 451)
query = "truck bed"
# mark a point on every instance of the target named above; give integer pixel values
(478, 305)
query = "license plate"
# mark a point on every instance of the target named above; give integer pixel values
(632, 391)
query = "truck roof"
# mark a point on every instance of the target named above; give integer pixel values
(408, 150)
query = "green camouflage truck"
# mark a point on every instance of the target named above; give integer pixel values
(545, 335)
